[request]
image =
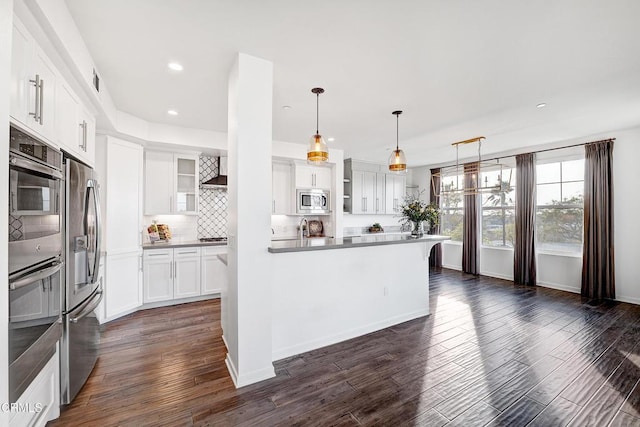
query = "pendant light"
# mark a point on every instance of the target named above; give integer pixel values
(397, 160)
(318, 152)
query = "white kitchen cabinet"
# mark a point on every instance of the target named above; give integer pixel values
(381, 203)
(171, 274)
(363, 192)
(307, 176)
(282, 189)
(158, 275)
(87, 135)
(43, 391)
(395, 192)
(33, 84)
(122, 288)
(214, 271)
(75, 125)
(171, 183)
(121, 181)
(187, 272)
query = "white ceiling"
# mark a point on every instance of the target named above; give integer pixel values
(458, 68)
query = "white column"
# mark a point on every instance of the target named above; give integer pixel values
(6, 25)
(248, 297)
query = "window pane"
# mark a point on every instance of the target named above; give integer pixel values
(498, 227)
(548, 172)
(547, 194)
(559, 229)
(572, 193)
(573, 170)
(451, 223)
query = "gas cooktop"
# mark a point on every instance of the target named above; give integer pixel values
(213, 239)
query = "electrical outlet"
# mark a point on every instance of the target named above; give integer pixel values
(385, 291)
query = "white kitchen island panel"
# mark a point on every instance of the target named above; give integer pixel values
(327, 296)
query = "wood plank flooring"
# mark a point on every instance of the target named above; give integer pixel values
(491, 353)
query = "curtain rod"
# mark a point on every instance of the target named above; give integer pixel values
(543, 151)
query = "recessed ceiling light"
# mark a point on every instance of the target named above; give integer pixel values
(331, 139)
(172, 112)
(286, 107)
(175, 66)
(541, 105)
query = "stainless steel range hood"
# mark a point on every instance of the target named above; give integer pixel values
(219, 181)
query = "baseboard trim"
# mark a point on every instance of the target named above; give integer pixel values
(346, 335)
(559, 287)
(630, 300)
(452, 267)
(249, 378)
(496, 275)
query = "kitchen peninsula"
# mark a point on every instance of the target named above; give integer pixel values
(329, 290)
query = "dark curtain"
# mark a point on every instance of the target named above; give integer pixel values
(471, 226)
(524, 262)
(435, 258)
(598, 272)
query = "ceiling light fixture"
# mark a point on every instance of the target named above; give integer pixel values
(397, 160)
(318, 153)
(541, 105)
(331, 139)
(172, 112)
(175, 66)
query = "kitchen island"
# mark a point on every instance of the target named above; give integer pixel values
(329, 290)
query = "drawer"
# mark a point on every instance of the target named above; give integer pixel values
(158, 254)
(188, 252)
(213, 250)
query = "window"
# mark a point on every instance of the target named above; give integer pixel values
(498, 207)
(451, 208)
(560, 206)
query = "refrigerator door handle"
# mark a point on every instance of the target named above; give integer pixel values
(92, 188)
(89, 307)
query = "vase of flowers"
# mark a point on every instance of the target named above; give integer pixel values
(414, 212)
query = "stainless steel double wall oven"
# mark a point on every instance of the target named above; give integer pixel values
(35, 257)
(54, 254)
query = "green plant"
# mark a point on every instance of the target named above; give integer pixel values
(376, 225)
(414, 210)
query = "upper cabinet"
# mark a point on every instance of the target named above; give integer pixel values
(75, 125)
(307, 176)
(42, 101)
(369, 190)
(282, 189)
(33, 84)
(170, 183)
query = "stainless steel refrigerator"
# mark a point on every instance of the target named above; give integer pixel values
(83, 290)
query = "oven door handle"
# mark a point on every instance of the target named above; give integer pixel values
(38, 275)
(89, 307)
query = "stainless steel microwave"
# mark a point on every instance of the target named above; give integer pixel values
(312, 201)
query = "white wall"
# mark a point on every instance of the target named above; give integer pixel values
(564, 271)
(6, 25)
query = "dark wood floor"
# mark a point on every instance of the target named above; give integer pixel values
(490, 353)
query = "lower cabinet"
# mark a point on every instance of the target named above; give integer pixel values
(122, 289)
(41, 400)
(214, 271)
(171, 274)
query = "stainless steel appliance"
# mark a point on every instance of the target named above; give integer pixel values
(312, 201)
(35, 263)
(83, 290)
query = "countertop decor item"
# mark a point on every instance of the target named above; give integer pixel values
(397, 160)
(316, 228)
(318, 152)
(415, 212)
(376, 228)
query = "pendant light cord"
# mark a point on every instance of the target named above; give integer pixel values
(317, 112)
(397, 131)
